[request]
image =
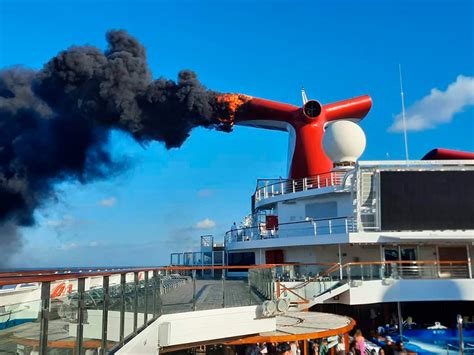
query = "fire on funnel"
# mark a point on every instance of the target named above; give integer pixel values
(229, 104)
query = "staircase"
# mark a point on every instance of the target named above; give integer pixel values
(329, 293)
(314, 291)
(368, 200)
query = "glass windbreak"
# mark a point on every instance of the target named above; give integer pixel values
(115, 304)
(261, 283)
(177, 292)
(95, 314)
(238, 293)
(20, 326)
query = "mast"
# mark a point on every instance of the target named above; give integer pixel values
(402, 96)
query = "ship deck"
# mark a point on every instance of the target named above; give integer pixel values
(208, 295)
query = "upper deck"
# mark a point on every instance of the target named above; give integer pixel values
(421, 199)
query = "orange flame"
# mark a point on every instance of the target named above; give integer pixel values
(230, 103)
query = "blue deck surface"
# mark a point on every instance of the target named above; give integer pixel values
(436, 341)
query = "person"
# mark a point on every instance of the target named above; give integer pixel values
(360, 341)
(352, 348)
(253, 349)
(324, 348)
(400, 348)
(233, 231)
(284, 349)
(294, 348)
(340, 347)
(388, 347)
(373, 317)
(271, 348)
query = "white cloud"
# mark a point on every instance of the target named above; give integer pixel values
(438, 107)
(69, 246)
(205, 224)
(76, 245)
(66, 221)
(108, 202)
(205, 193)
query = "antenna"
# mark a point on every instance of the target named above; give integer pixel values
(303, 95)
(402, 96)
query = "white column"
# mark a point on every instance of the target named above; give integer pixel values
(340, 261)
(469, 265)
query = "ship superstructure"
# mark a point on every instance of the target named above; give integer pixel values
(381, 241)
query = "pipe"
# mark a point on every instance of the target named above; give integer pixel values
(447, 154)
(305, 125)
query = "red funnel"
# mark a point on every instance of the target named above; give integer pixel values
(305, 125)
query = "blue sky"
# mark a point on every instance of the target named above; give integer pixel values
(336, 49)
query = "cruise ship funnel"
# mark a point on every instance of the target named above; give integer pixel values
(305, 125)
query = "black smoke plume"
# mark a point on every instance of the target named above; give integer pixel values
(55, 123)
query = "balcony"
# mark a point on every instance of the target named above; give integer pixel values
(267, 188)
(310, 228)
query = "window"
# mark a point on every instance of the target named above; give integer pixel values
(234, 259)
(320, 210)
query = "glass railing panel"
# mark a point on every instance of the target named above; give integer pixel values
(129, 301)
(156, 301)
(114, 310)
(261, 284)
(93, 320)
(239, 293)
(177, 292)
(63, 317)
(142, 291)
(209, 292)
(304, 229)
(306, 272)
(148, 296)
(20, 327)
(454, 270)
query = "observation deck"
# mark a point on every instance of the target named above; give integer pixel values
(142, 310)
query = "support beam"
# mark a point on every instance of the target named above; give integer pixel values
(400, 319)
(105, 314)
(135, 303)
(122, 307)
(81, 283)
(469, 265)
(44, 317)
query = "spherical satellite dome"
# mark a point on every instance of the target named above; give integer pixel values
(343, 141)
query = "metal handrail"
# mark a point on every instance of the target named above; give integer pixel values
(53, 271)
(274, 187)
(18, 279)
(405, 262)
(343, 273)
(313, 224)
(336, 267)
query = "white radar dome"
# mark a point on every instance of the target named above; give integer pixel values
(343, 141)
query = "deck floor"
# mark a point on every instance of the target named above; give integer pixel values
(209, 295)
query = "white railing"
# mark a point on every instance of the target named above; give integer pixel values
(274, 187)
(308, 228)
